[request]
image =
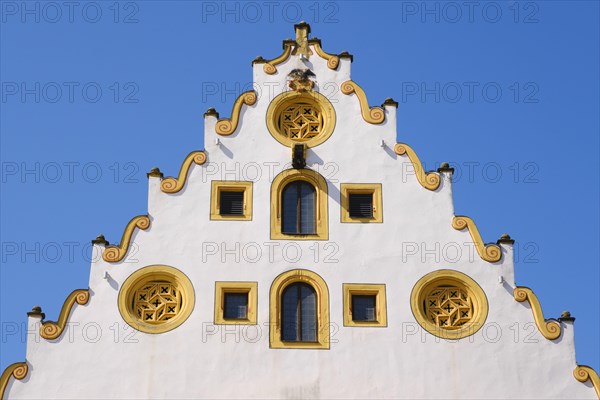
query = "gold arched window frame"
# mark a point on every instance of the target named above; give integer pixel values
(280, 283)
(321, 212)
(446, 277)
(292, 98)
(156, 273)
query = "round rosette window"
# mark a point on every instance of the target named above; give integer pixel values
(449, 304)
(156, 299)
(300, 117)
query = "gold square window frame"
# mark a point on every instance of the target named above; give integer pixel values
(221, 288)
(363, 289)
(230, 186)
(346, 189)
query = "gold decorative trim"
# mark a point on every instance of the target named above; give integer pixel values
(223, 288)
(270, 66)
(373, 115)
(584, 373)
(549, 329)
(300, 46)
(365, 289)
(174, 185)
(275, 319)
(52, 330)
(321, 210)
(17, 370)
(315, 99)
(302, 31)
(153, 274)
(429, 180)
(226, 126)
(114, 254)
(332, 60)
(300, 80)
(346, 189)
(444, 278)
(216, 187)
(488, 252)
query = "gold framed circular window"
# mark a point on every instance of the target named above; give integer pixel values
(449, 304)
(300, 117)
(156, 299)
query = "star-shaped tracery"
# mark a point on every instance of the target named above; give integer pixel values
(448, 307)
(301, 122)
(157, 302)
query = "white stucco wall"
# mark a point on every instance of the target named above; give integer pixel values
(99, 356)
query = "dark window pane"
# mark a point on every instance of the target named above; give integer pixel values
(298, 203)
(289, 202)
(299, 313)
(236, 306)
(363, 308)
(231, 203)
(307, 208)
(309, 314)
(361, 205)
(289, 313)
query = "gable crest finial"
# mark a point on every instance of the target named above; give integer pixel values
(302, 32)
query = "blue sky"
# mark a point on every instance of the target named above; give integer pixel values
(95, 95)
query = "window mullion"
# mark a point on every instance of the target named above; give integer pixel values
(299, 314)
(299, 209)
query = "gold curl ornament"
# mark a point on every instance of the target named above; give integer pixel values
(584, 373)
(17, 370)
(430, 180)
(549, 329)
(226, 126)
(114, 254)
(372, 115)
(332, 60)
(270, 66)
(52, 330)
(488, 252)
(174, 185)
(20, 371)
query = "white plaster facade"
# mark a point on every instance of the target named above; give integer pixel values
(100, 356)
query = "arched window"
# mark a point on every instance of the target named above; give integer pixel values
(299, 206)
(299, 313)
(298, 203)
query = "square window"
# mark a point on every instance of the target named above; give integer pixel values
(361, 205)
(231, 200)
(361, 202)
(235, 306)
(231, 203)
(235, 303)
(364, 305)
